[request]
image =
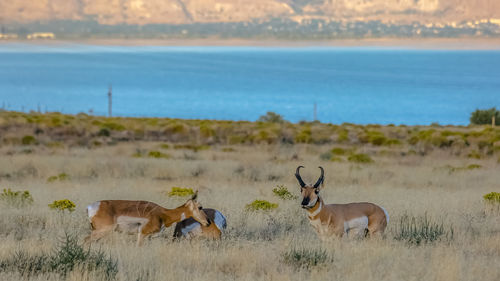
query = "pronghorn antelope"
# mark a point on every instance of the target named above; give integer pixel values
(358, 219)
(190, 228)
(141, 217)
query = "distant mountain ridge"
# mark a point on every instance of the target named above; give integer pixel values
(440, 13)
(204, 11)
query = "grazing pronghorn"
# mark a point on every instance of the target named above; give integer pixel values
(142, 217)
(359, 219)
(190, 228)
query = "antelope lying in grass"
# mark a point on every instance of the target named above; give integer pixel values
(190, 228)
(358, 219)
(141, 217)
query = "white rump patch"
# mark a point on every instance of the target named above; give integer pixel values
(92, 209)
(357, 225)
(130, 224)
(220, 220)
(386, 215)
(191, 229)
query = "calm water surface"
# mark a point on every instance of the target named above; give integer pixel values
(358, 85)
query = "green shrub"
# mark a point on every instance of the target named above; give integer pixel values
(271, 117)
(482, 117)
(282, 192)
(67, 257)
(28, 140)
(228, 149)
(60, 177)
(421, 230)
(16, 198)
(374, 137)
(336, 159)
(192, 147)
(113, 126)
(474, 154)
(392, 142)
(304, 136)
(104, 132)
(338, 151)
(474, 166)
(343, 135)
(206, 131)
(424, 135)
(261, 205)
(158, 154)
(176, 128)
(492, 197)
(306, 258)
(62, 205)
(180, 191)
(466, 168)
(360, 158)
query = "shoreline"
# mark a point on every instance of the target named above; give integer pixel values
(404, 44)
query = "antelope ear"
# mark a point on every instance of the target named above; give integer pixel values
(195, 195)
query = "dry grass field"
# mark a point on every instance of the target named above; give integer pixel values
(440, 189)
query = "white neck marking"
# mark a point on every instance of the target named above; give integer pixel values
(313, 214)
(183, 217)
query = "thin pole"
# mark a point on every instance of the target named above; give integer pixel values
(315, 112)
(110, 98)
(493, 121)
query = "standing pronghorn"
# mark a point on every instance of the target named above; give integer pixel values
(142, 217)
(360, 219)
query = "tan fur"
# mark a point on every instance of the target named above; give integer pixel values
(210, 232)
(105, 219)
(335, 219)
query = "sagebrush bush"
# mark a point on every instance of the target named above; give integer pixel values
(282, 192)
(474, 154)
(261, 205)
(338, 151)
(466, 168)
(360, 158)
(306, 258)
(60, 177)
(492, 197)
(28, 140)
(16, 198)
(180, 191)
(158, 154)
(62, 205)
(422, 230)
(68, 256)
(192, 147)
(492, 201)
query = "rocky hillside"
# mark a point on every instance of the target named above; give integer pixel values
(289, 19)
(140, 12)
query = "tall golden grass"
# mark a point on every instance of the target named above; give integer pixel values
(277, 244)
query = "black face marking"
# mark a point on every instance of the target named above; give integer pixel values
(316, 191)
(199, 208)
(305, 201)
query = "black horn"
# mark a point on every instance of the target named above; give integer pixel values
(297, 175)
(321, 178)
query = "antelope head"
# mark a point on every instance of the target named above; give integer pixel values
(194, 209)
(310, 193)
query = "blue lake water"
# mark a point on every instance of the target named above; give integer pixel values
(357, 85)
